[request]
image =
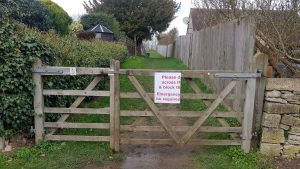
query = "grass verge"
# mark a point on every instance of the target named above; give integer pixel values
(229, 157)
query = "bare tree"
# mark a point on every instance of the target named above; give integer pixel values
(278, 26)
(169, 37)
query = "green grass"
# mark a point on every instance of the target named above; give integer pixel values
(69, 155)
(229, 157)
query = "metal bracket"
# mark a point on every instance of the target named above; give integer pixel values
(111, 72)
(237, 75)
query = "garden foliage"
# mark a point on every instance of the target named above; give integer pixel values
(20, 46)
(59, 18)
(17, 52)
(29, 12)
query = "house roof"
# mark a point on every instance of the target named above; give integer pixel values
(100, 29)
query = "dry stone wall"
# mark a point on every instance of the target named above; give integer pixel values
(281, 118)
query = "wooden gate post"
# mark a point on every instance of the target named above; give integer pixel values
(260, 63)
(248, 115)
(115, 105)
(38, 104)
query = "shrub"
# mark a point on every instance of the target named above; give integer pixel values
(29, 12)
(20, 46)
(75, 27)
(17, 52)
(70, 51)
(90, 20)
(59, 18)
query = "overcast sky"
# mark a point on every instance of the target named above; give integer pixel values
(76, 9)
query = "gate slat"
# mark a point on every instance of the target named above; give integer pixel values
(59, 110)
(76, 125)
(181, 129)
(77, 138)
(191, 142)
(180, 113)
(135, 95)
(75, 93)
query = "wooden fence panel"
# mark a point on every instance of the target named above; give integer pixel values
(228, 46)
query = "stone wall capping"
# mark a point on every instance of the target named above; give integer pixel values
(290, 84)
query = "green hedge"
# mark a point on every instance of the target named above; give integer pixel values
(30, 12)
(20, 46)
(74, 52)
(59, 18)
(17, 52)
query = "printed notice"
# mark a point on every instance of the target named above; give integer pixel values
(167, 88)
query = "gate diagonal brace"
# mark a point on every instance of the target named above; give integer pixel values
(192, 130)
(154, 108)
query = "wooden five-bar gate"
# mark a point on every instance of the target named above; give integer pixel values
(240, 135)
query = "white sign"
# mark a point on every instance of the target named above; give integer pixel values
(73, 71)
(167, 88)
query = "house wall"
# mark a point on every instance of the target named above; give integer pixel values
(104, 36)
(281, 118)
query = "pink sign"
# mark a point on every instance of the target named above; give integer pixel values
(167, 88)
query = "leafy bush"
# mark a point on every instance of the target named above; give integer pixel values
(20, 46)
(75, 27)
(29, 12)
(90, 20)
(17, 52)
(59, 18)
(70, 51)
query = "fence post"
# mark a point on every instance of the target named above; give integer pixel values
(248, 115)
(260, 63)
(38, 104)
(115, 106)
(253, 106)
